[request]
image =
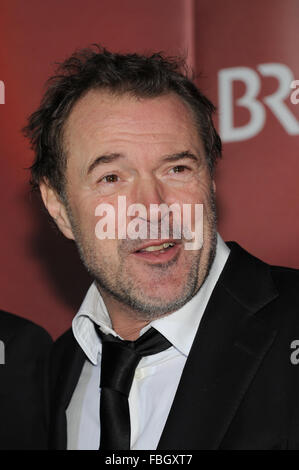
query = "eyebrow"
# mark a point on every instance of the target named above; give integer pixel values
(180, 155)
(111, 157)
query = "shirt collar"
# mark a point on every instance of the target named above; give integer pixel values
(178, 327)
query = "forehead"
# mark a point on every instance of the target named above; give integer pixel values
(102, 117)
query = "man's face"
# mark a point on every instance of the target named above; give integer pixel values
(150, 152)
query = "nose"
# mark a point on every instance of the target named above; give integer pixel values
(147, 191)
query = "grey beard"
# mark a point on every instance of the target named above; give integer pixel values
(126, 295)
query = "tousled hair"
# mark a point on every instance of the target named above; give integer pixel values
(97, 68)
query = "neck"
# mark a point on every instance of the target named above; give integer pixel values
(124, 320)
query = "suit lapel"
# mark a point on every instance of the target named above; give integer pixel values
(228, 349)
(70, 363)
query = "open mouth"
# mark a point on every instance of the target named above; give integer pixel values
(158, 252)
(154, 248)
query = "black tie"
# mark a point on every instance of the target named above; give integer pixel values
(119, 361)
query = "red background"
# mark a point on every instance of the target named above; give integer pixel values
(257, 181)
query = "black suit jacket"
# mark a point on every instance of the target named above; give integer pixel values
(239, 388)
(23, 384)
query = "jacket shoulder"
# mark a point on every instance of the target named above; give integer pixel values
(262, 287)
(286, 281)
(285, 276)
(14, 327)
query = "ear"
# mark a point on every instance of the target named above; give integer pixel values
(56, 209)
(214, 186)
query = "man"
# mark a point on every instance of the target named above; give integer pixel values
(24, 349)
(118, 128)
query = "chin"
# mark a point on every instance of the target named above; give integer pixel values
(165, 294)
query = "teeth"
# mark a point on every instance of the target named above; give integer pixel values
(158, 247)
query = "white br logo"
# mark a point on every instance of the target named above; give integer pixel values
(2, 92)
(256, 108)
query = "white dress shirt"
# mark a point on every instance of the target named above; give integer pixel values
(156, 377)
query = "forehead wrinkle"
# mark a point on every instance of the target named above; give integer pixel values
(89, 125)
(133, 136)
(115, 114)
(135, 129)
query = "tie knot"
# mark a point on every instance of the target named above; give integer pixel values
(120, 357)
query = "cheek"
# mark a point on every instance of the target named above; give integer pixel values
(196, 194)
(106, 249)
(199, 208)
(88, 222)
(84, 214)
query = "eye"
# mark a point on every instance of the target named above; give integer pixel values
(179, 168)
(109, 179)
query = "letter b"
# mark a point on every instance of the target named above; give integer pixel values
(228, 132)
